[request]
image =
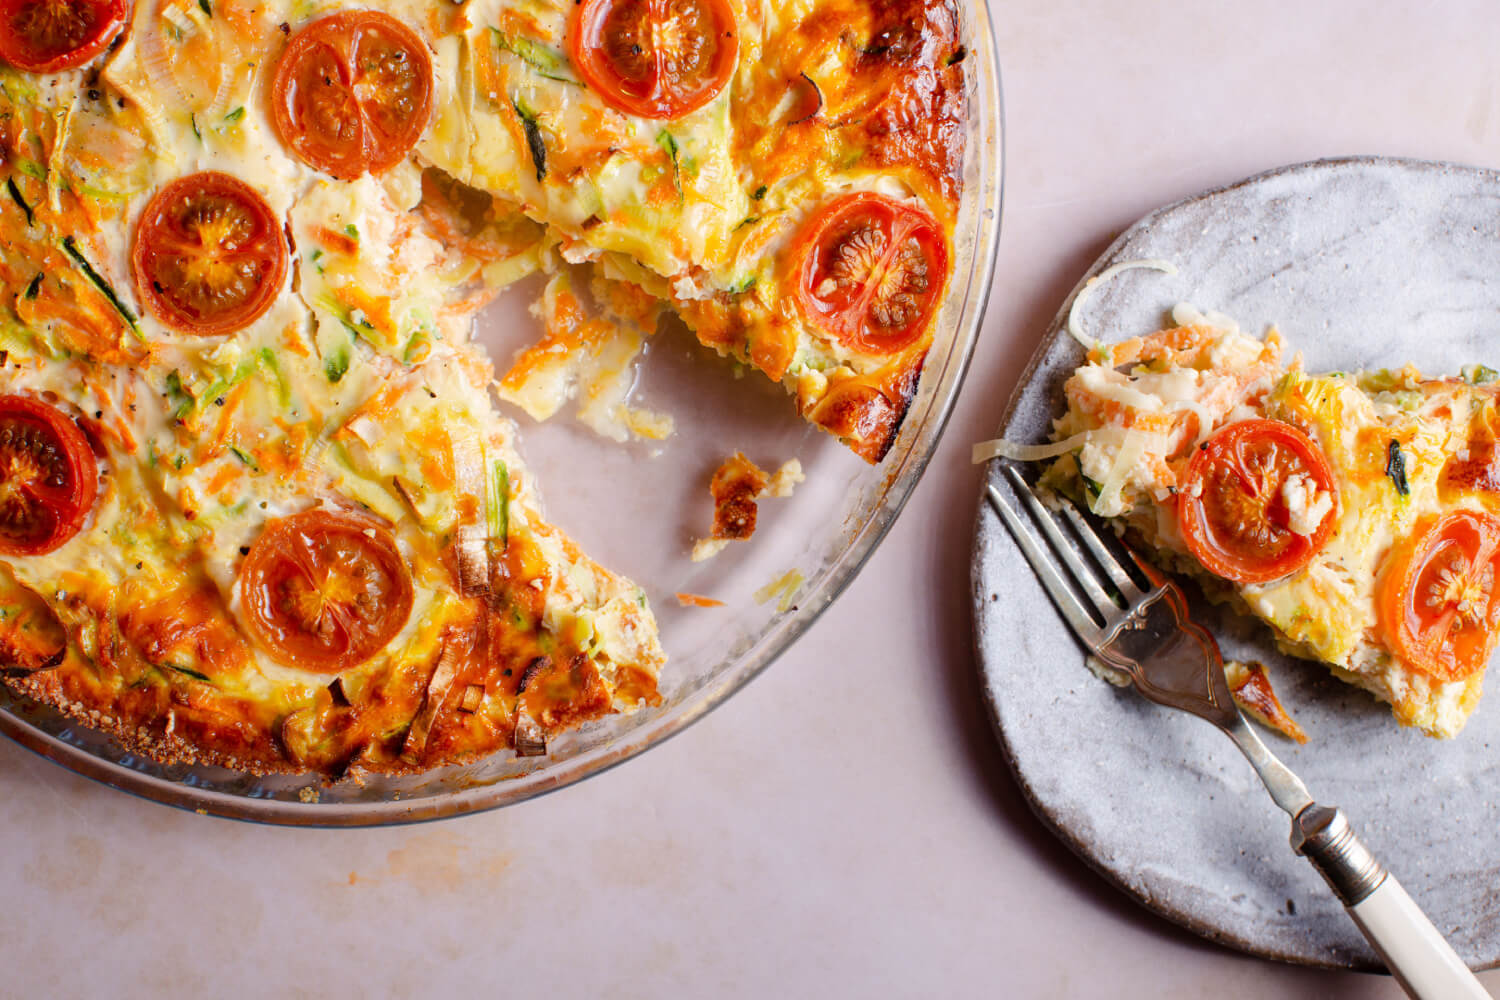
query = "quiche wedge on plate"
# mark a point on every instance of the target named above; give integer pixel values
(1357, 514)
(258, 507)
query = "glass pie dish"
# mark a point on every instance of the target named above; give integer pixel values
(637, 508)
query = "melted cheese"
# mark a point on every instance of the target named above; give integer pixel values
(1306, 504)
(1327, 609)
(358, 387)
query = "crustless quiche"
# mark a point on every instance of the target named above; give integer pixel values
(258, 507)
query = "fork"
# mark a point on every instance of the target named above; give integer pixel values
(1138, 624)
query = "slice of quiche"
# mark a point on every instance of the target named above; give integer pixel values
(1356, 514)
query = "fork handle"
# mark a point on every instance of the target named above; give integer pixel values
(1423, 962)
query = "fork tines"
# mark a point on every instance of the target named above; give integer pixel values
(1093, 591)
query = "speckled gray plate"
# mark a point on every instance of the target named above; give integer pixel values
(1361, 263)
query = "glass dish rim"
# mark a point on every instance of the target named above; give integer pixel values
(902, 479)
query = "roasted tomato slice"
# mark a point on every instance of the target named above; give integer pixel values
(1478, 470)
(48, 36)
(352, 93)
(654, 58)
(325, 591)
(1257, 502)
(209, 255)
(48, 477)
(1438, 602)
(870, 271)
(1477, 466)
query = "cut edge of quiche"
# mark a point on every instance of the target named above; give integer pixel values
(1357, 515)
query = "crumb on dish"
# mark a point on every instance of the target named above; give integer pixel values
(736, 487)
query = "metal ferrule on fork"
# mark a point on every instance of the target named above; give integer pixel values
(1324, 837)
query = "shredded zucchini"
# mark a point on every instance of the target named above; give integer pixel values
(71, 246)
(15, 196)
(336, 365)
(546, 61)
(534, 141)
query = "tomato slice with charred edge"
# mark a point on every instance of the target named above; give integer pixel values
(1244, 492)
(325, 591)
(209, 255)
(870, 271)
(48, 36)
(352, 93)
(1476, 466)
(654, 58)
(48, 477)
(1438, 601)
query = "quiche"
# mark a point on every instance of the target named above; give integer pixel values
(1355, 513)
(259, 504)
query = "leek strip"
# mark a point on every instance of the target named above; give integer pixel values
(497, 503)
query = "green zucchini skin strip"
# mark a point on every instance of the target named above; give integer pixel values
(71, 246)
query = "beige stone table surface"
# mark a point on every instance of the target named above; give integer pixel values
(782, 847)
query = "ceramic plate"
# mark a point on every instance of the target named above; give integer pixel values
(1362, 263)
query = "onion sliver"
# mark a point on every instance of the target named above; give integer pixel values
(1074, 311)
(1014, 450)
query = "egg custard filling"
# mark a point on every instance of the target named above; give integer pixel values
(259, 506)
(1357, 514)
